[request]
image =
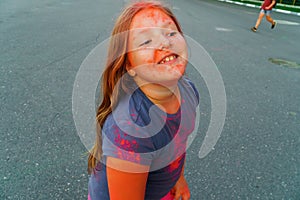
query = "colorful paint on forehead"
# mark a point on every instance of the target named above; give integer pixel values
(156, 13)
(152, 16)
(159, 16)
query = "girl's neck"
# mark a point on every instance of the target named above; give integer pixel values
(166, 98)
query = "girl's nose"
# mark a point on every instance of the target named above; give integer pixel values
(164, 43)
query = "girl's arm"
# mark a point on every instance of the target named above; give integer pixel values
(128, 183)
(181, 188)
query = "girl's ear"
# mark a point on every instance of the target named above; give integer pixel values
(129, 69)
(131, 72)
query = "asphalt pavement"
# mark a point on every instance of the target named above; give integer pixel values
(43, 44)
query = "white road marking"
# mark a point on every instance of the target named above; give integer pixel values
(223, 29)
(287, 22)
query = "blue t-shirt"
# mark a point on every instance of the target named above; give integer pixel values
(138, 131)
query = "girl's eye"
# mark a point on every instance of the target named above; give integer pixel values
(172, 33)
(146, 42)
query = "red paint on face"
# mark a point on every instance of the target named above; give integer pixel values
(149, 60)
(150, 40)
(180, 68)
(158, 55)
(154, 15)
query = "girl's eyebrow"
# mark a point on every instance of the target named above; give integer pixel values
(142, 30)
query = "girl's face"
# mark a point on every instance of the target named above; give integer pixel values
(156, 50)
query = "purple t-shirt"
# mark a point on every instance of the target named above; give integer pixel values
(138, 131)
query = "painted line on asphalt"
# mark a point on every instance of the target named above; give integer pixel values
(223, 29)
(285, 22)
(255, 6)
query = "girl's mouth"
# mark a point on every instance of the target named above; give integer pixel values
(168, 59)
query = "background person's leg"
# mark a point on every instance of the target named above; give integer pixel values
(260, 17)
(258, 21)
(269, 19)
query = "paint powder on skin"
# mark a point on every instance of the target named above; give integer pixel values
(154, 18)
(155, 15)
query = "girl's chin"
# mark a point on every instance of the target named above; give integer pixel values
(173, 78)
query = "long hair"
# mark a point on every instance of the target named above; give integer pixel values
(115, 68)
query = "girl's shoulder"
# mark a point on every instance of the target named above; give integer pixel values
(124, 133)
(131, 109)
(189, 89)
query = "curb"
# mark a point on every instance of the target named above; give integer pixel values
(255, 6)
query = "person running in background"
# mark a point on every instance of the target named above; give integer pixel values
(147, 112)
(265, 9)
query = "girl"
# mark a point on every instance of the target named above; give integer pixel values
(147, 111)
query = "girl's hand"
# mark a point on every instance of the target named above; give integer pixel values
(181, 189)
